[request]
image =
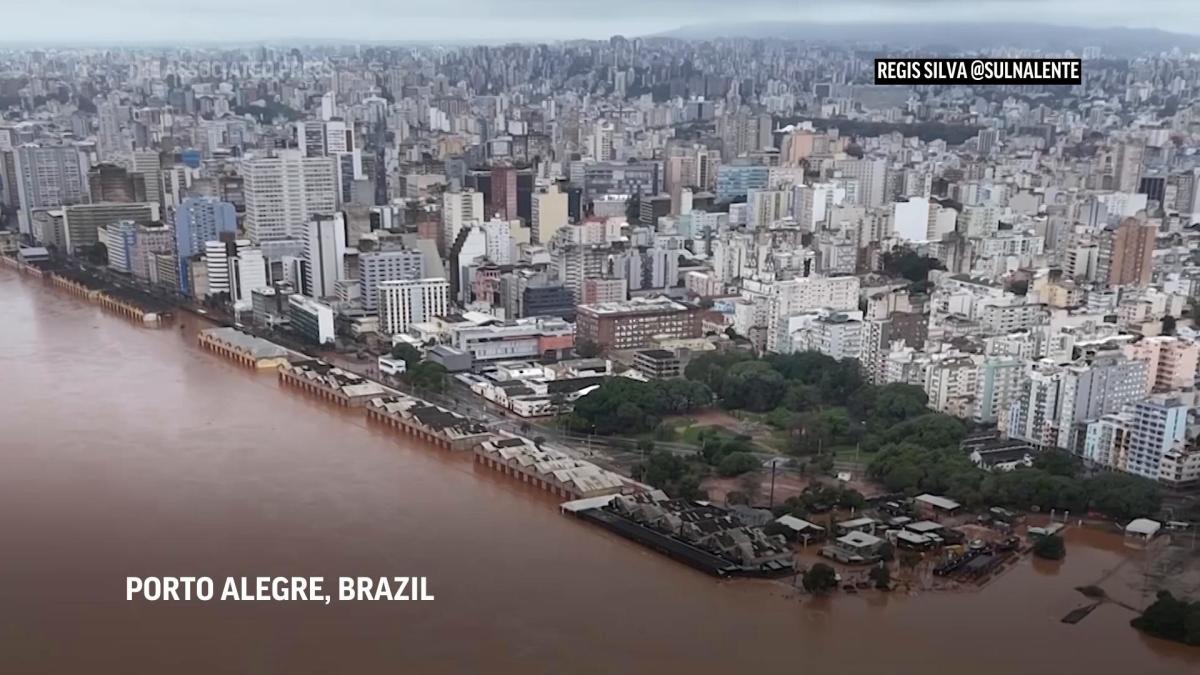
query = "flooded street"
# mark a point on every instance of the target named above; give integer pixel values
(128, 451)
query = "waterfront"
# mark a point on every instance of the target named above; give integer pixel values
(129, 451)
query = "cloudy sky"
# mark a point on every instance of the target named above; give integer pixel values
(181, 21)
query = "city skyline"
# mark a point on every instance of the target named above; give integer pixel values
(532, 20)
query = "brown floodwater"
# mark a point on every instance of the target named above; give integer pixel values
(128, 451)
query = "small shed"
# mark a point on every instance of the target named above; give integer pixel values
(1142, 529)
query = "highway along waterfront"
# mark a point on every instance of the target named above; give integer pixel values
(128, 451)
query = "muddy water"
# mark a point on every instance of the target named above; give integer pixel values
(128, 451)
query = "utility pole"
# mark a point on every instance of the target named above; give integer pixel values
(771, 502)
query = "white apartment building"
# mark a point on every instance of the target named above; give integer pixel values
(459, 210)
(793, 297)
(950, 383)
(835, 334)
(375, 267)
(216, 263)
(405, 302)
(285, 191)
(247, 273)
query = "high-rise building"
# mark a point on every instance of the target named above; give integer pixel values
(737, 180)
(501, 246)
(8, 167)
(376, 267)
(311, 319)
(285, 191)
(324, 254)
(794, 296)
(82, 221)
(549, 214)
(871, 176)
(596, 291)
(216, 263)
(48, 175)
(1055, 403)
(405, 302)
(112, 183)
(148, 240)
(247, 273)
(1171, 362)
(201, 219)
(459, 210)
(119, 239)
(504, 192)
(1159, 428)
(767, 206)
(1132, 256)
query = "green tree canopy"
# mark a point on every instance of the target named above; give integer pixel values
(820, 578)
(1050, 547)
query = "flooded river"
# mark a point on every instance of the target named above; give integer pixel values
(128, 451)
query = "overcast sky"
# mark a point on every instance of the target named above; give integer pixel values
(181, 21)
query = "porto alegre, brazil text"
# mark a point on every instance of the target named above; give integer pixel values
(275, 589)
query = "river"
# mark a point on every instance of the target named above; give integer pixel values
(128, 451)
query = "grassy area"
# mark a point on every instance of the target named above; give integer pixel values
(850, 453)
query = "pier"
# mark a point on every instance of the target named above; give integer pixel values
(546, 469)
(244, 349)
(427, 422)
(329, 383)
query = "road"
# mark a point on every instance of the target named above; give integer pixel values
(615, 453)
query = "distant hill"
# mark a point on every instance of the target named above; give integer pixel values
(937, 37)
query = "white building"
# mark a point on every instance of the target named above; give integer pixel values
(247, 273)
(324, 254)
(796, 296)
(403, 303)
(285, 191)
(459, 210)
(910, 219)
(375, 267)
(835, 334)
(312, 319)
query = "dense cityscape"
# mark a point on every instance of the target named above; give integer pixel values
(724, 298)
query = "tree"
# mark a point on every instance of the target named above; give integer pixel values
(645, 446)
(1123, 496)
(752, 385)
(671, 474)
(1168, 325)
(427, 375)
(1057, 462)
(586, 349)
(820, 578)
(97, 253)
(1172, 619)
(737, 463)
(881, 576)
(408, 353)
(1050, 547)
(907, 263)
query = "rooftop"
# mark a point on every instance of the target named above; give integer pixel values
(640, 305)
(255, 346)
